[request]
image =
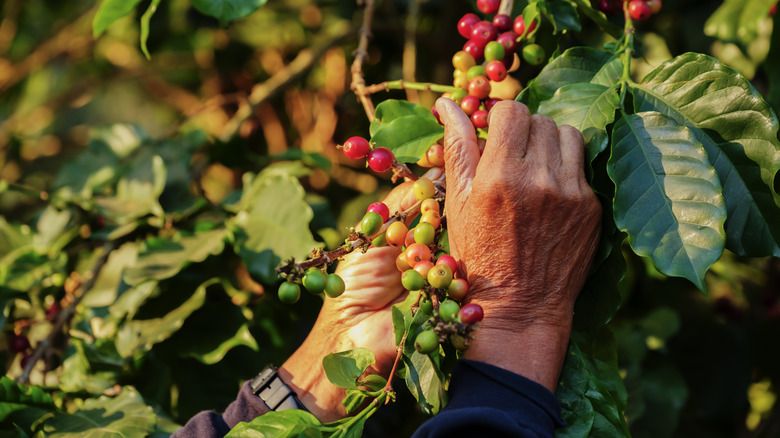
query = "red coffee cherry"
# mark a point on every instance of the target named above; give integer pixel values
(466, 24)
(471, 314)
(488, 6)
(380, 159)
(502, 22)
(639, 10)
(356, 148)
(483, 33)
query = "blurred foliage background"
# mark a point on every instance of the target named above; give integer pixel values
(273, 88)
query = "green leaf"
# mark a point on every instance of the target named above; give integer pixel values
(137, 192)
(563, 15)
(125, 415)
(599, 18)
(405, 128)
(343, 369)
(739, 132)
(162, 258)
(667, 196)
(276, 424)
(272, 223)
(374, 382)
(145, 19)
(109, 12)
(772, 66)
(587, 107)
(354, 400)
(140, 335)
(15, 397)
(425, 381)
(228, 10)
(600, 297)
(737, 20)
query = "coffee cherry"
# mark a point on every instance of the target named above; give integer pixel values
(356, 148)
(25, 361)
(396, 234)
(381, 208)
(466, 25)
(483, 33)
(423, 188)
(379, 241)
(459, 342)
(446, 259)
(471, 314)
(496, 71)
(289, 292)
(380, 159)
(424, 233)
(431, 217)
(423, 161)
(429, 204)
(509, 41)
(53, 311)
(426, 306)
(409, 238)
(412, 280)
(534, 53)
(435, 155)
(436, 114)
(334, 286)
(479, 87)
(491, 102)
(469, 104)
(458, 289)
(475, 49)
(461, 82)
(426, 342)
(448, 309)
(440, 276)
(502, 22)
(423, 268)
(480, 119)
(488, 6)
(462, 61)
(639, 10)
(518, 27)
(458, 95)
(18, 343)
(417, 252)
(772, 9)
(371, 223)
(401, 263)
(494, 51)
(314, 280)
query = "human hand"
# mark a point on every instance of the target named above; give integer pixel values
(524, 224)
(360, 317)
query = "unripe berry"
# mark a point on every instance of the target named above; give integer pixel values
(494, 51)
(440, 276)
(314, 280)
(480, 119)
(381, 208)
(396, 234)
(459, 342)
(448, 309)
(431, 217)
(479, 87)
(423, 267)
(380, 159)
(462, 61)
(426, 306)
(471, 314)
(401, 263)
(356, 148)
(424, 233)
(371, 223)
(289, 292)
(18, 343)
(435, 155)
(458, 95)
(477, 70)
(409, 238)
(429, 204)
(496, 71)
(639, 10)
(423, 188)
(483, 33)
(461, 82)
(412, 280)
(379, 241)
(466, 25)
(502, 22)
(448, 260)
(488, 6)
(334, 286)
(417, 252)
(534, 53)
(426, 342)
(458, 289)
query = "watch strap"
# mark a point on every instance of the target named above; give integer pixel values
(273, 391)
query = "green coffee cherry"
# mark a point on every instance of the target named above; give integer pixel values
(334, 285)
(448, 309)
(412, 280)
(426, 342)
(371, 223)
(289, 292)
(314, 280)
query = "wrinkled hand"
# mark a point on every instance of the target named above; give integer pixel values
(524, 224)
(358, 318)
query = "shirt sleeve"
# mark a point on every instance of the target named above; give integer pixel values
(209, 424)
(487, 401)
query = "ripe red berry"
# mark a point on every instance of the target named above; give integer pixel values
(772, 10)
(436, 114)
(417, 252)
(469, 104)
(491, 102)
(502, 22)
(18, 343)
(471, 314)
(458, 289)
(483, 33)
(639, 10)
(519, 26)
(448, 260)
(480, 119)
(509, 41)
(356, 148)
(380, 159)
(466, 25)
(488, 6)
(381, 208)
(479, 87)
(474, 49)
(496, 71)
(25, 361)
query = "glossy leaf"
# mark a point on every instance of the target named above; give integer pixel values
(739, 132)
(405, 128)
(15, 397)
(587, 107)
(109, 12)
(345, 368)
(228, 10)
(772, 66)
(280, 424)
(600, 298)
(125, 415)
(668, 198)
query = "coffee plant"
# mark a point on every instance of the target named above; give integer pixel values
(146, 271)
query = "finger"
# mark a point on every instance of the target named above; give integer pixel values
(508, 139)
(572, 153)
(402, 197)
(461, 153)
(544, 147)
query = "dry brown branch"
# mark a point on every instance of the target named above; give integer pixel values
(361, 55)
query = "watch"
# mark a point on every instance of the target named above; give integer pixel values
(273, 391)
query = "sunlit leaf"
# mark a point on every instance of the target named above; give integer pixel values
(276, 424)
(406, 129)
(15, 397)
(109, 12)
(344, 368)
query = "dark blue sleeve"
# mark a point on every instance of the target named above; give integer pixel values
(209, 424)
(487, 401)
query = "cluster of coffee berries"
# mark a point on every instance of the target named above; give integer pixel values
(638, 9)
(19, 344)
(378, 159)
(314, 280)
(488, 55)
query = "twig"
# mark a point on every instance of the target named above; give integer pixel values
(404, 85)
(65, 314)
(291, 72)
(506, 7)
(358, 85)
(400, 350)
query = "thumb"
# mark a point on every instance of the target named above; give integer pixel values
(461, 152)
